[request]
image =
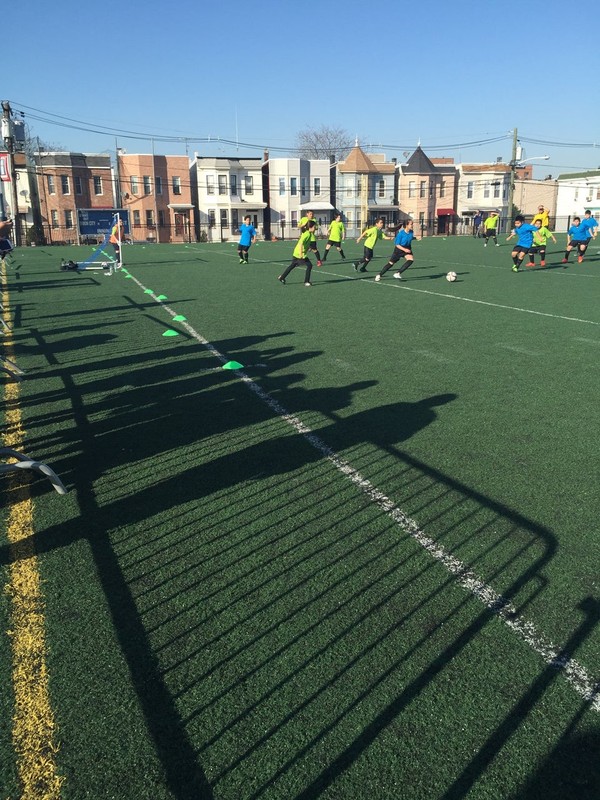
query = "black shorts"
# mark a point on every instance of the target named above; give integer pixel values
(577, 243)
(367, 253)
(489, 232)
(518, 248)
(537, 248)
(312, 246)
(398, 254)
(331, 243)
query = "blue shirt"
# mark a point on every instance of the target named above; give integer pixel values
(404, 238)
(588, 225)
(525, 234)
(247, 233)
(578, 233)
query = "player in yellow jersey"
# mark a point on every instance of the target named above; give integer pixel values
(312, 245)
(540, 240)
(300, 258)
(337, 234)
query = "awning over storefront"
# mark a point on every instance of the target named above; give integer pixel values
(179, 207)
(446, 212)
(318, 205)
(247, 206)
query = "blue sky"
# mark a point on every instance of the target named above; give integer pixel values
(442, 73)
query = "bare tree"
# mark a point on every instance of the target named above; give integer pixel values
(324, 142)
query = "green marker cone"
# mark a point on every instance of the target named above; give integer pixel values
(129, 276)
(233, 365)
(179, 318)
(170, 332)
(162, 297)
(148, 291)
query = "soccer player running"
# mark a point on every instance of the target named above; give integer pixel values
(117, 235)
(300, 258)
(590, 224)
(577, 238)
(310, 216)
(402, 249)
(336, 235)
(371, 236)
(247, 238)
(524, 233)
(490, 228)
(540, 240)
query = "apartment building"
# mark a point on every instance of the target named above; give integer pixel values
(577, 192)
(156, 192)
(67, 182)
(294, 186)
(224, 191)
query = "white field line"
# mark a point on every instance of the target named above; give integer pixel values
(576, 675)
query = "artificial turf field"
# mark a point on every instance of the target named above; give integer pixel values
(364, 567)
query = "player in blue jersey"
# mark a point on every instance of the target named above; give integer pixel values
(524, 233)
(590, 224)
(247, 238)
(402, 249)
(577, 239)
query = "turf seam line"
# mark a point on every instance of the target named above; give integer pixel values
(574, 673)
(33, 730)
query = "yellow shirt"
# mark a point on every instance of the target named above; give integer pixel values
(544, 216)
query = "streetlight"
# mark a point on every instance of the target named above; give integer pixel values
(514, 165)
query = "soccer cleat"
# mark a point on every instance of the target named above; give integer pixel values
(241, 260)
(485, 244)
(497, 245)
(355, 265)
(377, 277)
(280, 279)
(319, 264)
(580, 259)
(245, 261)
(398, 276)
(530, 264)
(363, 269)
(307, 283)
(515, 268)
(565, 261)
(542, 263)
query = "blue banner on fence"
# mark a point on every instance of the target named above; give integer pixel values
(99, 221)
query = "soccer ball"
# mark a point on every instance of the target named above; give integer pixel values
(451, 276)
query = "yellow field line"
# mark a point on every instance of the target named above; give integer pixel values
(34, 729)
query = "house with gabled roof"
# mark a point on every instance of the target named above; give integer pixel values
(577, 192)
(427, 193)
(366, 188)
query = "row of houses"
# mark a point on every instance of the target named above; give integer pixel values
(176, 199)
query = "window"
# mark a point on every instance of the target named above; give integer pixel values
(443, 189)
(348, 188)
(147, 184)
(302, 187)
(422, 189)
(64, 184)
(359, 185)
(282, 219)
(78, 185)
(293, 186)
(381, 188)
(281, 187)
(149, 218)
(235, 219)
(97, 184)
(486, 189)
(68, 219)
(294, 222)
(317, 187)
(51, 187)
(412, 189)
(136, 219)
(249, 181)
(597, 194)
(211, 218)
(161, 218)
(470, 189)
(133, 183)
(496, 189)
(224, 221)
(431, 188)
(210, 184)
(176, 184)
(54, 217)
(233, 184)
(158, 184)
(222, 184)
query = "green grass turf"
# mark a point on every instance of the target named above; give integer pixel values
(228, 616)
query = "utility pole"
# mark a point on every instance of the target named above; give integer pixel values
(511, 187)
(9, 143)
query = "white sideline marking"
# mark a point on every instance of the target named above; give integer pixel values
(575, 674)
